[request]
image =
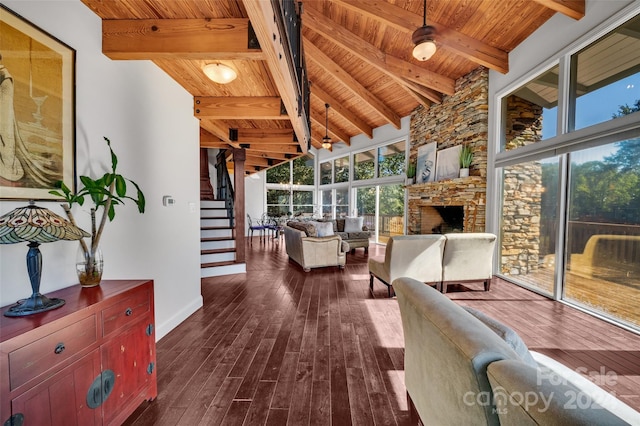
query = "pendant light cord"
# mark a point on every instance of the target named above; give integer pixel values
(424, 14)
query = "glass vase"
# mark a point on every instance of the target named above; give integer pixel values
(89, 266)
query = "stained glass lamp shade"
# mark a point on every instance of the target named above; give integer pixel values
(35, 225)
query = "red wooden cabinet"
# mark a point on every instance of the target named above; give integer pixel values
(91, 361)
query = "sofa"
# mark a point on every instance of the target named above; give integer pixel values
(465, 368)
(351, 230)
(309, 250)
(441, 259)
(415, 256)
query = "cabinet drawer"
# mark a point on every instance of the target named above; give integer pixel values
(125, 312)
(46, 353)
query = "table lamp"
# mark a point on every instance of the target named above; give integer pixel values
(35, 225)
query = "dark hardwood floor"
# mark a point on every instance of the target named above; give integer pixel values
(279, 346)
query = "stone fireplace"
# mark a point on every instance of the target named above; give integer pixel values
(460, 119)
(454, 205)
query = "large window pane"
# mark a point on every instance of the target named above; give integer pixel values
(603, 233)
(364, 165)
(342, 203)
(391, 216)
(279, 174)
(391, 159)
(303, 203)
(325, 173)
(303, 171)
(531, 112)
(606, 76)
(341, 170)
(278, 202)
(529, 223)
(327, 210)
(366, 207)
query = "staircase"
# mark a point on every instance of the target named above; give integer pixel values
(217, 244)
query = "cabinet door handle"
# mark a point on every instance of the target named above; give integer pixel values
(128, 312)
(59, 348)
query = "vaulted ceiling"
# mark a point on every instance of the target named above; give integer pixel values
(358, 57)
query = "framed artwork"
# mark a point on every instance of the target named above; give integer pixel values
(37, 111)
(426, 170)
(448, 163)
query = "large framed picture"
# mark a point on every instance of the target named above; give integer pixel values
(426, 170)
(448, 163)
(37, 111)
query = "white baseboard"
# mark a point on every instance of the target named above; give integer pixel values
(164, 328)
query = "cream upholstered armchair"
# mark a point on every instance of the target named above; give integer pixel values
(313, 251)
(468, 257)
(414, 256)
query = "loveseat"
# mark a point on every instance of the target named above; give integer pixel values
(351, 230)
(306, 248)
(465, 368)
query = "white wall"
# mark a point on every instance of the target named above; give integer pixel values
(556, 37)
(255, 197)
(149, 119)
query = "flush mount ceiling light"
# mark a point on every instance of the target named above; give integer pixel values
(326, 140)
(220, 73)
(423, 39)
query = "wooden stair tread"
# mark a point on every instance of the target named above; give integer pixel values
(216, 251)
(213, 264)
(207, 239)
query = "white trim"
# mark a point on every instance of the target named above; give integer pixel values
(178, 317)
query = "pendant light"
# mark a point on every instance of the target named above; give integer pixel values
(423, 39)
(326, 140)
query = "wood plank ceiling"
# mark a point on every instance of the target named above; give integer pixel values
(358, 56)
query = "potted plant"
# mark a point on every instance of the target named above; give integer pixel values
(466, 156)
(411, 173)
(106, 192)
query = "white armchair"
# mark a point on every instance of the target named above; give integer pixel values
(468, 257)
(414, 256)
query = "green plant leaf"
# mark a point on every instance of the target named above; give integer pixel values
(121, 186)
(114, 158)
(112, 212)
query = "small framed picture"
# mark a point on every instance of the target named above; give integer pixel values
(37, 124)
(426, 170)
(448, 163)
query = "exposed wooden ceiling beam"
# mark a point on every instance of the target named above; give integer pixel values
(291, 149)
(335, 70)
(261, 14)
(258, 161)
(389, 65)
(572, 8)
(178, 38)
(407, 22)
(214, 136)
(324, 97)
(266, 136)
(239, 107)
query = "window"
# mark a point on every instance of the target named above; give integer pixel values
(382, 207)
(603, 232)
(387, 160)
(531, 112)
(391, 159)
(341, 170)
(570, 212)
(342, 203)
(364, 166)
(290, 188)
(326, 171)
(606, 74)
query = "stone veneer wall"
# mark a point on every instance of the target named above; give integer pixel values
(461, 118)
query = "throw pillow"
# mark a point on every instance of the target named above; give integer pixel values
(306, 227)
(323, 229)
(353, 224)
(507, 334)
